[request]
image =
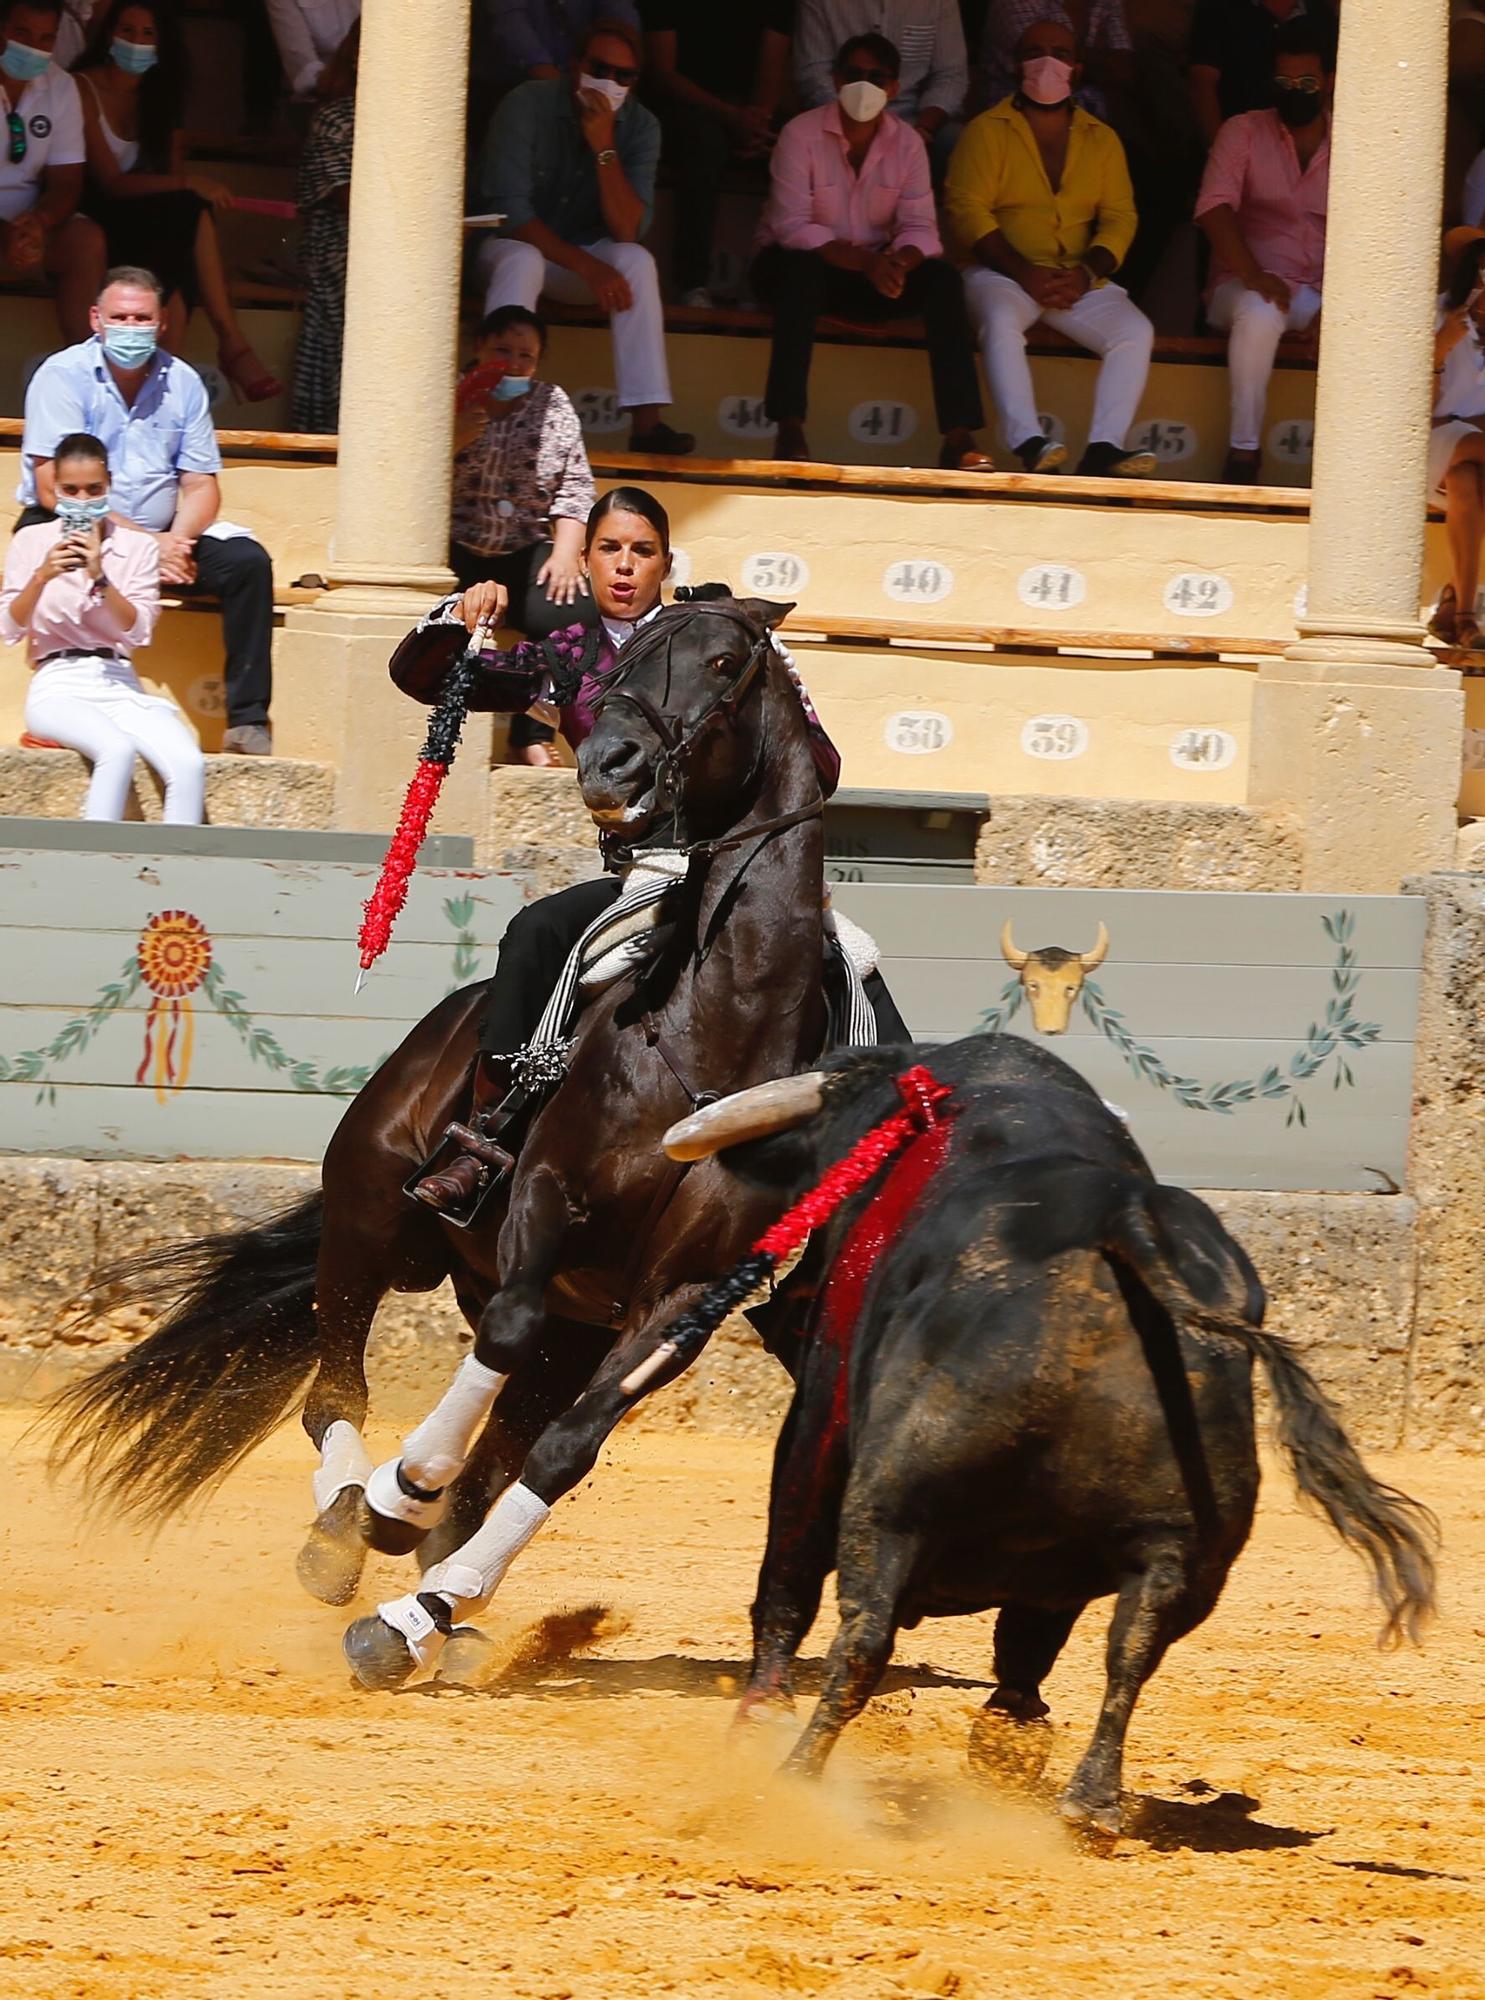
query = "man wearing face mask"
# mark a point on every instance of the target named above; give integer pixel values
(151, 412)
(570, 164)
(1041, 211)
(849, 228)
(1263, 206)
(42, 155)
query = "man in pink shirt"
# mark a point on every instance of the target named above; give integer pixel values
(1262, 204)
(849, 228)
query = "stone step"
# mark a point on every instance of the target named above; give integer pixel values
(240, 791)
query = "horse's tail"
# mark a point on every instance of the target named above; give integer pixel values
(226, 1364)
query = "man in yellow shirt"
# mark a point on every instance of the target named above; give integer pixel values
(1041, 213)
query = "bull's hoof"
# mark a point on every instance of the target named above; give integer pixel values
(469, 1659)
(1096, 1827)
(330, 1563)
(379, 1656)
(1007, 1751)
(763, 1707)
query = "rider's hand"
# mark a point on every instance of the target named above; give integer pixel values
(482, 604)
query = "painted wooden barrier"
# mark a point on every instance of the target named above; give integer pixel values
(167, 1004)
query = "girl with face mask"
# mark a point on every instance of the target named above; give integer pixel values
(132, 85)
(84, 591)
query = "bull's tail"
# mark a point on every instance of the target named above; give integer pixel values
(1203, 1278)
(226, 1364)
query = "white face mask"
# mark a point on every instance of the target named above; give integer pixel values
(605, 87)
(861, 100)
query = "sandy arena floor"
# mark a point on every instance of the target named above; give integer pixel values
(196, 1802)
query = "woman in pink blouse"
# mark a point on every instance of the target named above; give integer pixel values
(85, 590)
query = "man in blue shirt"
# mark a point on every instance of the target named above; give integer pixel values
(570, 164)
(151, 411)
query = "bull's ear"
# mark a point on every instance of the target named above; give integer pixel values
(765, 610)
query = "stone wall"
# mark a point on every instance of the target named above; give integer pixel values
(1339, 1270)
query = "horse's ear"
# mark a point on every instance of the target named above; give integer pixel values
(765, 610)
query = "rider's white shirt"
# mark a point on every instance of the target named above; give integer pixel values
(619, 629)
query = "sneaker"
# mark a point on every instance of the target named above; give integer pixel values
(663, 442)
(698, 299)
(1040, 454)
(1111, 461)
(248, 739)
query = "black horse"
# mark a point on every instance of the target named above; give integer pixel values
(601, 1240)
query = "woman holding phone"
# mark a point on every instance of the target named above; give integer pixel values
(1456, 450)
(84, 590)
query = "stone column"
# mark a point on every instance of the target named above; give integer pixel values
(389, 552)
(1355, 730)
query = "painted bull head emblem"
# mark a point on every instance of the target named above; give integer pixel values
(1052, 977)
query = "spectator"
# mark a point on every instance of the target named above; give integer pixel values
(74, 31)
(41, 168)
(1472, 203)
(1262, 204)
(323, 193)
(132, 88)
(1033, 254)
(151, 412)
(571, 166)
(539, 40)
(308, 33)
(928, 36)
(1100, 27)
(717, 79)
(849, 228)
(1232, 54)
(1456, 449)
(84, 590)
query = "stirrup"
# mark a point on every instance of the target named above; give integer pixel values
(463, 1141)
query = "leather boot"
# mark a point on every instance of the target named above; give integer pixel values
(460, 1181)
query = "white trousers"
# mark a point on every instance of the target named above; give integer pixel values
(516, 274)
(97, 706)
(1105, 321)
(1254, 325)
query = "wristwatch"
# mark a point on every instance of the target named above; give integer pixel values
(607, 157)
(98, 586)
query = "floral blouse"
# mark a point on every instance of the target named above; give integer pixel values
(520, 473)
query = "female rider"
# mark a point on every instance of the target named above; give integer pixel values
(626, 559)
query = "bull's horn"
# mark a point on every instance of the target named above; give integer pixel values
(1089, 960)
(747, 1114)
(1013, 958)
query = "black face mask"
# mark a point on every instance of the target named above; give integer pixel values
(1297, 107)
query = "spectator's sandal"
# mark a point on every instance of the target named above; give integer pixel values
(1467, 639)
(247, 375)
(1444, 623)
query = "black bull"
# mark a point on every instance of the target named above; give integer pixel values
(1049, 1400)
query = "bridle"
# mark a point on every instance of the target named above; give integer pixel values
(680, 740)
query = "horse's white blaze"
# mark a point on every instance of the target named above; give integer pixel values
(344, 1461)
(435, 1452)
(470, 1574)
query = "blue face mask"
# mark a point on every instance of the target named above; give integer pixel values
(135, 57)
(78, 516)
(130, 346)
(509, 387)
(24, 63)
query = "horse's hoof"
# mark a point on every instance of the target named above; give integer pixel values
(330, 1563)
(1007, 1751)
(395, 1517)
(378, 1655)
(1096, 1827)
(469, 1658)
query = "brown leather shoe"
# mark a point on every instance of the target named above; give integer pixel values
(457, 1184)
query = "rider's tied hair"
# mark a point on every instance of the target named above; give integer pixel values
(701, 593)
(629, 500)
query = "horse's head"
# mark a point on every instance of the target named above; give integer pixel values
(679, 729)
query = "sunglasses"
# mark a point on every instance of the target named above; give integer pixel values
(17, 124)
(1307, 86)
(880, 77)
(612, 73)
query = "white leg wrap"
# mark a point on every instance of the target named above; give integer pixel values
(405, 1615)
(435, 1452)
(344, 1461)
(472, 1573)
(385, 1497)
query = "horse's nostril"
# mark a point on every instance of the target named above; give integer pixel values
(623, 758)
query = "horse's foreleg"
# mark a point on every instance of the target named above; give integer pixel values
(346, 1299)
(410, 1631)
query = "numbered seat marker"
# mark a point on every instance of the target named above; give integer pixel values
(1203, 749)
(598, 410)
(1292, 442)
(1051, 587)
(1057, 739)
(882, 423)
(917, 732)
(743, 417)
(923, 580)
(1197, 594)
(775, 572)
(1168, 438)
